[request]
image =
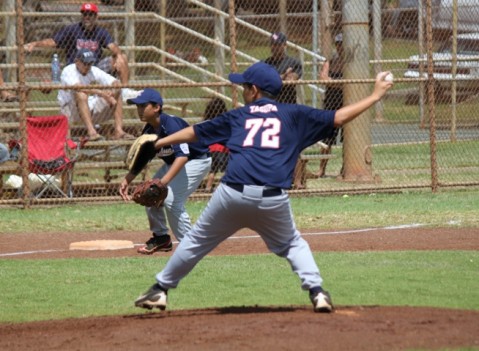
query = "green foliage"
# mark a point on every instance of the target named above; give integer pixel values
(56, 289)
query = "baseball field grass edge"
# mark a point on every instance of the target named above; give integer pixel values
(455, 208)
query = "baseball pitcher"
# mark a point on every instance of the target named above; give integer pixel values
(265, 139)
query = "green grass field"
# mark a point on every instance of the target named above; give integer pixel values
(56, 289)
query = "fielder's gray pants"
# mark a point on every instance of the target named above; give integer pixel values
(179, 189)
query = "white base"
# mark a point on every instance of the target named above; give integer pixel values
(102, 245)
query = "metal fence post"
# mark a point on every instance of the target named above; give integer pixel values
(431, 97)
(130, 35)
(23, 92)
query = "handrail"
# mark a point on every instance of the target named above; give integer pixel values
(256, 29)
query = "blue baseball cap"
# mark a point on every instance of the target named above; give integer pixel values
(278, 38)
(86, 56)
(146, 96)
(264, 76)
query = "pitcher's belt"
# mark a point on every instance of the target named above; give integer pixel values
(267, 191)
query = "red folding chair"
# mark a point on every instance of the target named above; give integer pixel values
(49, 149)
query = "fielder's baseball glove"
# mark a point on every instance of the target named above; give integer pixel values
(141, 152)
(150, 193)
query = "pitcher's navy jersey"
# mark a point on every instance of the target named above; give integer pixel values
(169, 125)
(265, 127)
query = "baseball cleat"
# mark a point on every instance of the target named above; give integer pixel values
(155, 297)
(156, 243)
(322, 302)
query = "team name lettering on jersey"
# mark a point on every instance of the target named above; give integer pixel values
(263, 109)
(87, 44)
(165, 151)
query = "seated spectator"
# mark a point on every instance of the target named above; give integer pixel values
(193, 56)
(88, 35)
(219, 153)
(4, 94)
(91, 105)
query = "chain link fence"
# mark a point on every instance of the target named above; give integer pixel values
(424, 134)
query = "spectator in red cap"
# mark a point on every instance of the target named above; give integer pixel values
(89, 7)
(86, 34)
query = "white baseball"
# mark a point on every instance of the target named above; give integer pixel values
(389, 78)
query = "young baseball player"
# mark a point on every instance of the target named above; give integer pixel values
(186, 165)
(264, 138)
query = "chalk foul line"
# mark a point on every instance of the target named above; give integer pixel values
(337, 232)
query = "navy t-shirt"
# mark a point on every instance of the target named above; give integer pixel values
(288, 92)
(169, 125)
(75, 37)
(265, 139)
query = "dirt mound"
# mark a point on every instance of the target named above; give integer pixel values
(254, 328)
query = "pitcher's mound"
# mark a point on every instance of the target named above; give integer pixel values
(102, 245)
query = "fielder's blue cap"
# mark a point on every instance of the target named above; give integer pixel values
(86, 56)
(278, 38)
(146, 96)
(264, 76)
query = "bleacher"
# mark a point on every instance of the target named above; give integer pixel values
(101, 164)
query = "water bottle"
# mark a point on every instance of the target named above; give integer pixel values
(56, 69)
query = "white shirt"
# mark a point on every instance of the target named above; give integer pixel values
(71, 76)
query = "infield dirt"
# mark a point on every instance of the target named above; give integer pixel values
(253, 328)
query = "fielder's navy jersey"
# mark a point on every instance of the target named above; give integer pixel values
(74, 37)
(265, 139)
(169, 125)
